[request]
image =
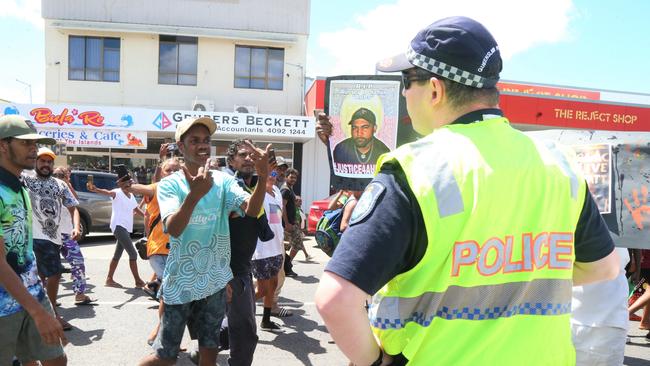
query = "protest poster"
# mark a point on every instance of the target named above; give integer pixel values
(364, 116)
(386, 102)
(596, 165)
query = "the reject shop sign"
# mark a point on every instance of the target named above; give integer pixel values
(97, 138)
(561, 113)
(64, 116)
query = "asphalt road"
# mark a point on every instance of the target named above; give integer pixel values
(114, 331)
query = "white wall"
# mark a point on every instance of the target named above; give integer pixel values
(138, 85)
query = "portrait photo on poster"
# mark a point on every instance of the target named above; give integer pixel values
(364, 114)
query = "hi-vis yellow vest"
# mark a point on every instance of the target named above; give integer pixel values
(494, 284)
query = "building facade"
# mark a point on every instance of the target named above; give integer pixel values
(239, 61)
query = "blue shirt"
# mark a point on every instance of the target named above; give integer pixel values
(16, 231)
(198, 264)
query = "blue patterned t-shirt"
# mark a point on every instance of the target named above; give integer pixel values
(16, 231)
(198, 264)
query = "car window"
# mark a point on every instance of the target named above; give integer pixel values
(101, 181)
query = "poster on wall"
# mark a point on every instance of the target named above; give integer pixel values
(596, 165)
(364, 116)
(629, 220)
(350, 94)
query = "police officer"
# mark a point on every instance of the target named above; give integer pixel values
(471, 238)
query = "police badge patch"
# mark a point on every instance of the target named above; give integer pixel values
(367, 202)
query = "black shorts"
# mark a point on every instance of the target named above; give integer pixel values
(48, 258)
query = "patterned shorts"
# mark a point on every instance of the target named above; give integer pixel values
(294, 237)
(267, 268)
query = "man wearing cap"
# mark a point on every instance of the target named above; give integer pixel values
(471, 238)
(195, 205)
(282, 171)
(28, 328)
(50, 196)
(362, 147)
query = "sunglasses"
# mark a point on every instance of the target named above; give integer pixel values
(273, 174)
(409, 78)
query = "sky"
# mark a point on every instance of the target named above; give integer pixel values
(597, 44)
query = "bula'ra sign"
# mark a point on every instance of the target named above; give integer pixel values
(124, 118)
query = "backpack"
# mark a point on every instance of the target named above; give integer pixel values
(328, 230)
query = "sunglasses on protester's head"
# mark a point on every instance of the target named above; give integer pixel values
(408, 76)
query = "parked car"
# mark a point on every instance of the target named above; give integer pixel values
(316, 212)
(94, 208)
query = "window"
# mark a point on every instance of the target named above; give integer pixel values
(259, 67)
(93, 58)
(177, 60)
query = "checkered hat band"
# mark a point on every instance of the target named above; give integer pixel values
(446, 71)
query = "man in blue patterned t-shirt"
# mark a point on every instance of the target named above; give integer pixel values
(28, 328)
(195, 205)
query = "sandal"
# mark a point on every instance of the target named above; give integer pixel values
(282, 313)
(64, 324)
(86, 301)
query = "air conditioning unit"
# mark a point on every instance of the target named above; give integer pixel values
(203, 105)
(245, 108)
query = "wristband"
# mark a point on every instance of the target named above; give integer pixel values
(380, 359)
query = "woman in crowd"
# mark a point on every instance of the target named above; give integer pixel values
(124, 206)
(157, 239)
(269, 255)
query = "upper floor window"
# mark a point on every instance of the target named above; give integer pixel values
(259, 67)
(177, 60)
(94, 58)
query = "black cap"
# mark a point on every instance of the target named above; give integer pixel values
(457, 48)
(365, 114)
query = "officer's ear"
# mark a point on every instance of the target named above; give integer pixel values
(437, 90)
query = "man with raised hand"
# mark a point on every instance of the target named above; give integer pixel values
(196, 204)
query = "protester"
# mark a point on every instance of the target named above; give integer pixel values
(301, 218)
(195, 206)
(29, 328)
(291, 227)
(70, 248)
(124, 206)
(642, 271)
(157, 239)
(269, 254)
(348, 201)
(282, 168)
(599, 321)
(50, 196)
(244, 233)
(438, 234)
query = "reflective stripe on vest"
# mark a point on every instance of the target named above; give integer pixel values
(538, 297)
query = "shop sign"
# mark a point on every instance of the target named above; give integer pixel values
(575, 114)
(98, 138)
(548, 91)
(64, 116)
